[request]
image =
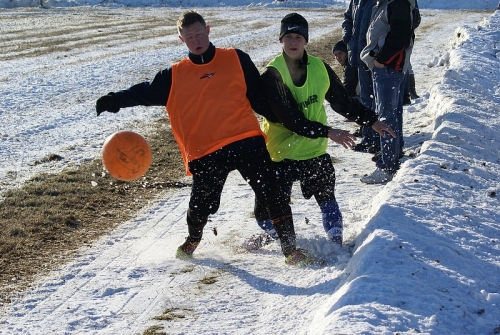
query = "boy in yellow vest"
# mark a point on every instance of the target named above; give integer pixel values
(210, 97)
(296, 85)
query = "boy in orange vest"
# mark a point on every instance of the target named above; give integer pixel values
(210, 97)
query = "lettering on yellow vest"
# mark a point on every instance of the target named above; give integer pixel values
(311, 100)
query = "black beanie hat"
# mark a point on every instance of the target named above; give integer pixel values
(294, 23)
(341, 46)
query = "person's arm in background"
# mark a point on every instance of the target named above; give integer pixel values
(350, 79)
(347, 24)
(399, 37)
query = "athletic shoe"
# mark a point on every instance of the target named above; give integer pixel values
(257, 241)
(186, 250)
(299, 258)
(378, 176)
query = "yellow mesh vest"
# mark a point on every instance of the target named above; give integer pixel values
(283, 143)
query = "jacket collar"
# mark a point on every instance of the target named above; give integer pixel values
(205, 57)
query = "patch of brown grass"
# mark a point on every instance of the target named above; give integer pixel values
(155, 330)
(53, 215)
(172, 313)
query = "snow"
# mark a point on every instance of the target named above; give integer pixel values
(424, 249)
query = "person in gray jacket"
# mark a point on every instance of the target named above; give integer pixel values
(387, 55)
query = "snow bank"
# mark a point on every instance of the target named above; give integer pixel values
(423, 239)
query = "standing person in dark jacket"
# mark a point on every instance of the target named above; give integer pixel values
(354, 27)
(387, 54)
(296, 86)
(209, 97)
(350, 74)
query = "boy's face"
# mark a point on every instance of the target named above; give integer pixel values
(293, 45)
(195, 36)
(340, 56)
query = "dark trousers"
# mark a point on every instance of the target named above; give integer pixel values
(316, 176)
(255, 166)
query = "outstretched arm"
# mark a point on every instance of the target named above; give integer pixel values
(352, 108)
(154, 93)
(286, 109)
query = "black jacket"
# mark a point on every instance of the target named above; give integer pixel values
(350, 79)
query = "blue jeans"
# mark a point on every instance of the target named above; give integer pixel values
(388, 87)
(369, 136)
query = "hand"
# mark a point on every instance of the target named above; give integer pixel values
(342, 137)
(105, 103)
(382, 129)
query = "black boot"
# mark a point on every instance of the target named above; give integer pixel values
(413, 92)
(286, 232)
(196, 224)
(195, 230)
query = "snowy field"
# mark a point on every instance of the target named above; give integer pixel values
(426, 253)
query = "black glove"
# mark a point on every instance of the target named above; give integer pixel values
(106, 103)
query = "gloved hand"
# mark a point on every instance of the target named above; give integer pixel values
(106, 103)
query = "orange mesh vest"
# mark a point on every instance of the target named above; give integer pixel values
(208, 107)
